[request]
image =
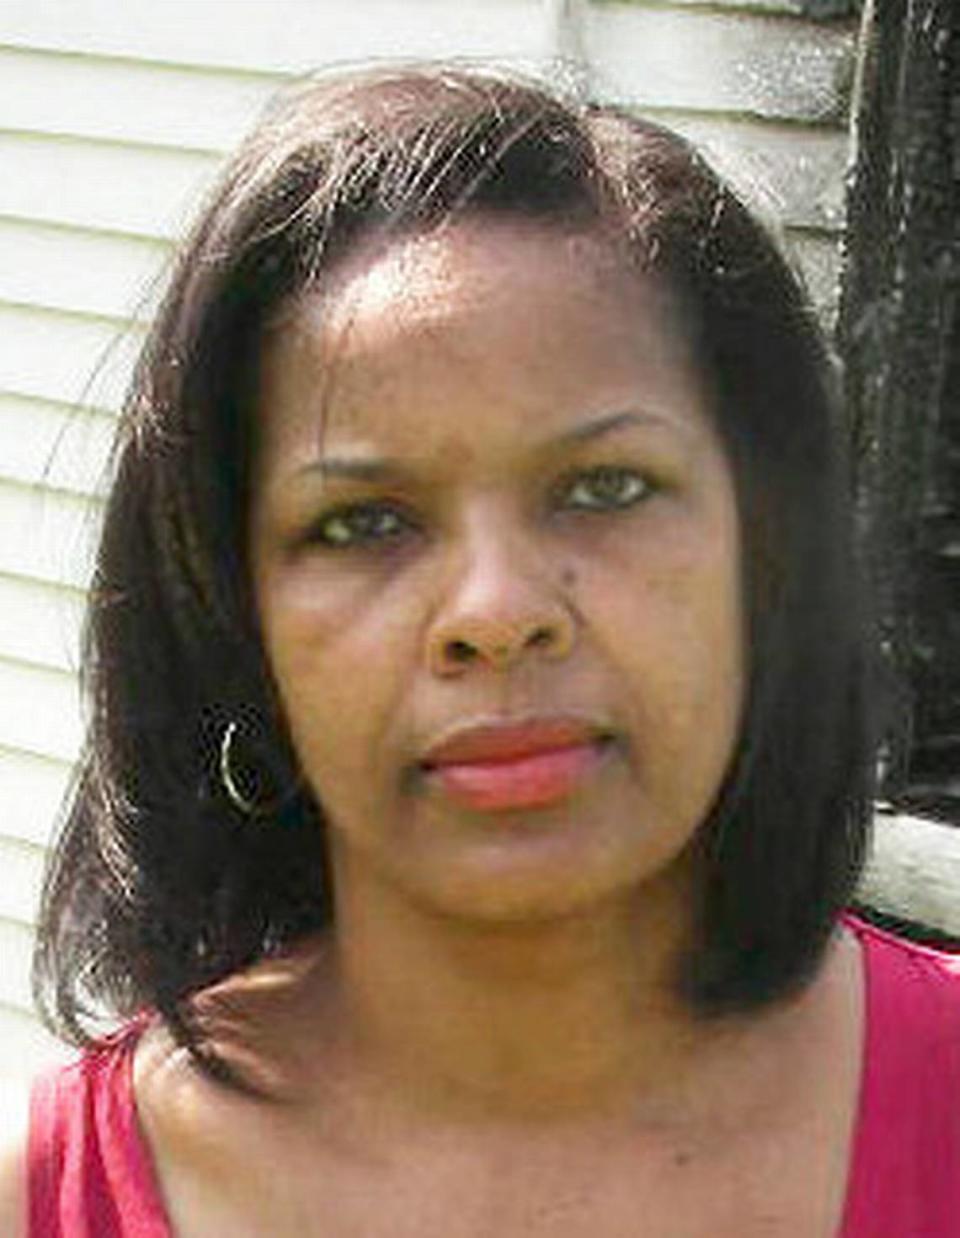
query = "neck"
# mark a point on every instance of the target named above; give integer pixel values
(509, 1023)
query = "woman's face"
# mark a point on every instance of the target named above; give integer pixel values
(495, 548)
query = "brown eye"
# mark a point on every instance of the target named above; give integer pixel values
(606, 489)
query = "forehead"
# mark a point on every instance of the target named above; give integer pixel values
(485, 312)
(467, 266)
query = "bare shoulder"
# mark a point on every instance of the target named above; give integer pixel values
(163, 1084)
(199, 1134)
(183, 1115)
(14, 1115)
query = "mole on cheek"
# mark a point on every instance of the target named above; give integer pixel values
(568, 578)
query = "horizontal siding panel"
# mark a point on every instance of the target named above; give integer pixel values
(16, 944)
(789, 8)
(27, 1049)
(47, 444)
(31, 791)
(40, 624)
(41, 710)
(22, 868)
(82, 272)
(285, 35)
(794, 173)
(47, 535)
(128, 102)
(66, 358)
(144, 191)
(715, 62)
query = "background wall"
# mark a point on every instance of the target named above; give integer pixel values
(114, 116)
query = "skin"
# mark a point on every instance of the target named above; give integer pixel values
(489, 1042)
(498, 368)
(467, 358)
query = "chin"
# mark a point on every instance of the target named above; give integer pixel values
(504, 888)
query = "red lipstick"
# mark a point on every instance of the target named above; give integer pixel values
(502, 766)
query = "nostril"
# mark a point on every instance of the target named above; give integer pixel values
(499, 648)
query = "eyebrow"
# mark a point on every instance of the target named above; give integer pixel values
(385, 468)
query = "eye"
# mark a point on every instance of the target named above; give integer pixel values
(606, 488)
(359, 524)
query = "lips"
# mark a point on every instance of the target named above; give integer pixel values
(502, 766)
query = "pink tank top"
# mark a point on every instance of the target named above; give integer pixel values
(904, 1179)
(89, 1170)
(90, 1173)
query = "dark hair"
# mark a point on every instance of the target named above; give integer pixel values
(159, 885)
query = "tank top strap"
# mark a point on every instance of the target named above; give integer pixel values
(89, 1173)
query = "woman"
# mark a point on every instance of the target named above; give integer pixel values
(479, 767)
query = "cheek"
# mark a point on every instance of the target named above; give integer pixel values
(340, 657)
(314, 620)
(676, 632)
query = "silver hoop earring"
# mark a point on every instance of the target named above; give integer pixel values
(247, 804)
(236, 797)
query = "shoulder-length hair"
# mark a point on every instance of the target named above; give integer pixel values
(159, 885)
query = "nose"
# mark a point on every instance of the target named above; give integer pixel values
(500, 608)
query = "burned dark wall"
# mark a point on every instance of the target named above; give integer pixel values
(899, 333)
